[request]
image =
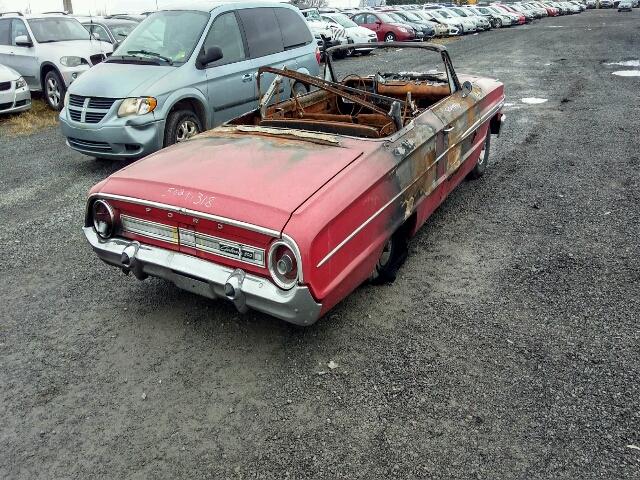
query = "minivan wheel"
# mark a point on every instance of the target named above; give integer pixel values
(54, 90)
(390, 37)
(181, 126)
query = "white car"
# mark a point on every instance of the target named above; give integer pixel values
(331, 36)
(14, 92)
(354, 32)
(49, 50)
(455, 27)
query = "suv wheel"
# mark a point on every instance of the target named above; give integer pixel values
(181, 126)
(54, 90)
(390, 37)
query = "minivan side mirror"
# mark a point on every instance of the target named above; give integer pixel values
(23, 41)
(212, 54)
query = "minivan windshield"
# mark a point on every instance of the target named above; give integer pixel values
(166, 36)
(57, 29)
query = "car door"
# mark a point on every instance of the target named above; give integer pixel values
(99, 32)
(5, 44)
(375, 24)
(266, 47)
(230, 80)
(23, 59)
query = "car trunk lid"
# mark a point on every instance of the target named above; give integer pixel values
(257, 179)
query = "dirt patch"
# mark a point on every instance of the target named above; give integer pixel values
(40, 116)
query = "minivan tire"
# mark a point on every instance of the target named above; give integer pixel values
(54, 90)
(181, 125)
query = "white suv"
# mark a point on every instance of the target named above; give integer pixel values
(49, 50)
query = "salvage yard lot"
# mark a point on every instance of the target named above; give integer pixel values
(508, 347)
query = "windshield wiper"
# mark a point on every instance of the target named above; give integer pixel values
(151, 54)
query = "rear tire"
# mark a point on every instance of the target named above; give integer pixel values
(393, 255)
(483, 159)
(181, 126)
(54, 90)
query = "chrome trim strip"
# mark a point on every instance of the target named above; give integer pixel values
(171, 236)
(187, 211)
(483, 119)
(241, 246)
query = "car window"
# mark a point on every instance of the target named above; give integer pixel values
(294, 29)
(343, 20)
(359, 19)
(262, 31)
(99, 32)
(5, 27)
(122, 30)
(371, 19)
(57, 29)
(225, 33)
(18, 28)
(173, 34)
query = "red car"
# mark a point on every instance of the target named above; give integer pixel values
(289, 208)
(521, 18)
(387, 29)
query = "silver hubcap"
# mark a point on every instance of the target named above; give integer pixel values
(186, 130)
(53, 91)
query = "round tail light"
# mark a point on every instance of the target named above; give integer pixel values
(103, 219)
(283, 265)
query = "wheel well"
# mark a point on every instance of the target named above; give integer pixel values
(195, 106)
(46, 68)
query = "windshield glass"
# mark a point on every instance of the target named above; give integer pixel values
(385, 18)
(458, 13)
(397, 18)
(442, 14)
(412, 16)
(57, 29)
(343, 20)
(312, 15)
(169, 34)
(122, 30)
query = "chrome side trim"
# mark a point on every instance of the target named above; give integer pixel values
(187, 211)
(479, 122)
(147, 228)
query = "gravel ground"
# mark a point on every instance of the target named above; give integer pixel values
(507, 348)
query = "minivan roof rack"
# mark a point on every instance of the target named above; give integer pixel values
(11, 13)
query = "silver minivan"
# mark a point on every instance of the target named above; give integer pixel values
(181, 72)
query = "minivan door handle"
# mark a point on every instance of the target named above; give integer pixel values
(247, 77)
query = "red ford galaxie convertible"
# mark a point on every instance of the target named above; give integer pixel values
(290, 207)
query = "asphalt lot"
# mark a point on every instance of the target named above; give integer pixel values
(508, 347)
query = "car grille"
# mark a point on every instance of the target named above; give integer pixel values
(95, 59)
(89, 145)
(97, 108)
(5, 86)
(6, 106)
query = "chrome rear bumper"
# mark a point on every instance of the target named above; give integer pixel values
(208, 279)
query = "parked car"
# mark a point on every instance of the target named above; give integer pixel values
(331, 36)
(521, 18)
(334, 183)
(110, 30)
(50, 51)
(606, 3)
(353, 32)
(386, 28)
(14, 92)
(623, 6)
(497, 20)
(181, 72)
(440, 29)
(481, 23)
(453, 27)
(592, 4)
(465, 25)
(416, 22)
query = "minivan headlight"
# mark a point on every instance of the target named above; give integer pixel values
(72, 61)
(137, 106)
(21, 83)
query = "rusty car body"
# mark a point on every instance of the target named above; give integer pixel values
(290, 207)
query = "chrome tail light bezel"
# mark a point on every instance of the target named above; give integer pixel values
(272, 264)
(112, 219)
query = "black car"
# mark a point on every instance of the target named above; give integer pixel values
(412, 18)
